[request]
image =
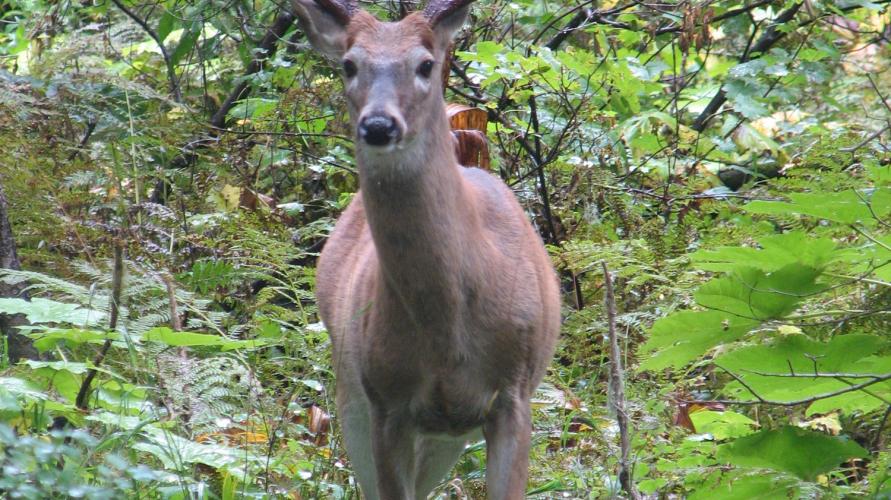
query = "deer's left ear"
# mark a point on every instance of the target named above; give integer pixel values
(446, 18)
(325, 24)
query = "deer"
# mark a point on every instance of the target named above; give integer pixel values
(441, 303)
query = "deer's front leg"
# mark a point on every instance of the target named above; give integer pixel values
(507, 430)
(393, 446)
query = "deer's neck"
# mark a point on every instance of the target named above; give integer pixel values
(423, 224)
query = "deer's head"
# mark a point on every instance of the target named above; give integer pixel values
(392, 71)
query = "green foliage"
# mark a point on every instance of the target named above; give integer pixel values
(750, 242)
(780, 450)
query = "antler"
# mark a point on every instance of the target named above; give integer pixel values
(436, 10)
(341, 10)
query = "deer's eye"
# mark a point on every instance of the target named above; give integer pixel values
(349, 68)
(425, 68)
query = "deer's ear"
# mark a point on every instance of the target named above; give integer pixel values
(445, 26)
(446, 17)
(325, 28)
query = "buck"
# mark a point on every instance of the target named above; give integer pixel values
(441, 302)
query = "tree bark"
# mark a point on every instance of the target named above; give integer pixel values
(18, 346)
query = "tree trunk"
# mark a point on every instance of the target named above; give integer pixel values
(19, 346)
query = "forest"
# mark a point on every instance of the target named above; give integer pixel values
(711, 179)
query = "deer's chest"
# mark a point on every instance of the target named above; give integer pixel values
(440, 389)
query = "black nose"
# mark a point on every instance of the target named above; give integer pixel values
(378, 130)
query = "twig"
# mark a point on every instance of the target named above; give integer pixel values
(866, 141)
(617, 388)
(117, 281)
(760, 400)
(813, 375)
(877, 440)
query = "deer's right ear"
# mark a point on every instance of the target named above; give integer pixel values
(324, 22)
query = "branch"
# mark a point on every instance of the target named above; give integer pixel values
(267, 47)
(767, 40)
(617, 388)
(264, 50)
(168, 62)
(117, 281)
(815, 375)
(797, 402)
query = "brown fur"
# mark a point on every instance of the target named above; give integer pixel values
(413, 30)
(441, 302)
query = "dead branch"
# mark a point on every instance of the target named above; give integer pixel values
(617, 389)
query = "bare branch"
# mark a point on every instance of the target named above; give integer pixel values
(117, 282)
(168, 62)
(617, 388)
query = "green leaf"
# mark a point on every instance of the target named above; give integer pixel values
(803, 453)
(776, 251)
(40, 310)
(165, 25)
(722, 424)
(166, 336)
(45, 340)
(797, 354)
(22, 389)
(252, 107)
(748, 487)
(846, 207)
(70, 366)
(186, 43)
(176, 452)
(752, 293)
(684, 336)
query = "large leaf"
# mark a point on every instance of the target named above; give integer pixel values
(847, 207)
(40, 310)
(776, 252)
(751, 486)
(803, 453)
(45, 340)
(680, 338)
(177, 453)
(164, 335)
(722, 424)
(799, 355)
(752, 293)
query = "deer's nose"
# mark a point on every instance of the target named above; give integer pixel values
(379, 130)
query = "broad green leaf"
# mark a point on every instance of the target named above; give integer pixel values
(164, 335)
(722, 424)
(747, 487)
(803, 355)
(797, 354)
(22, 388)
(165, 25)
(752, 293)
(177, 453)
(684, 336)
(252, 107)
(76, 368)
(40, 310)
(776, 251)
(45, 340)
(846, 207)
(880, 174)
(803, 453)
